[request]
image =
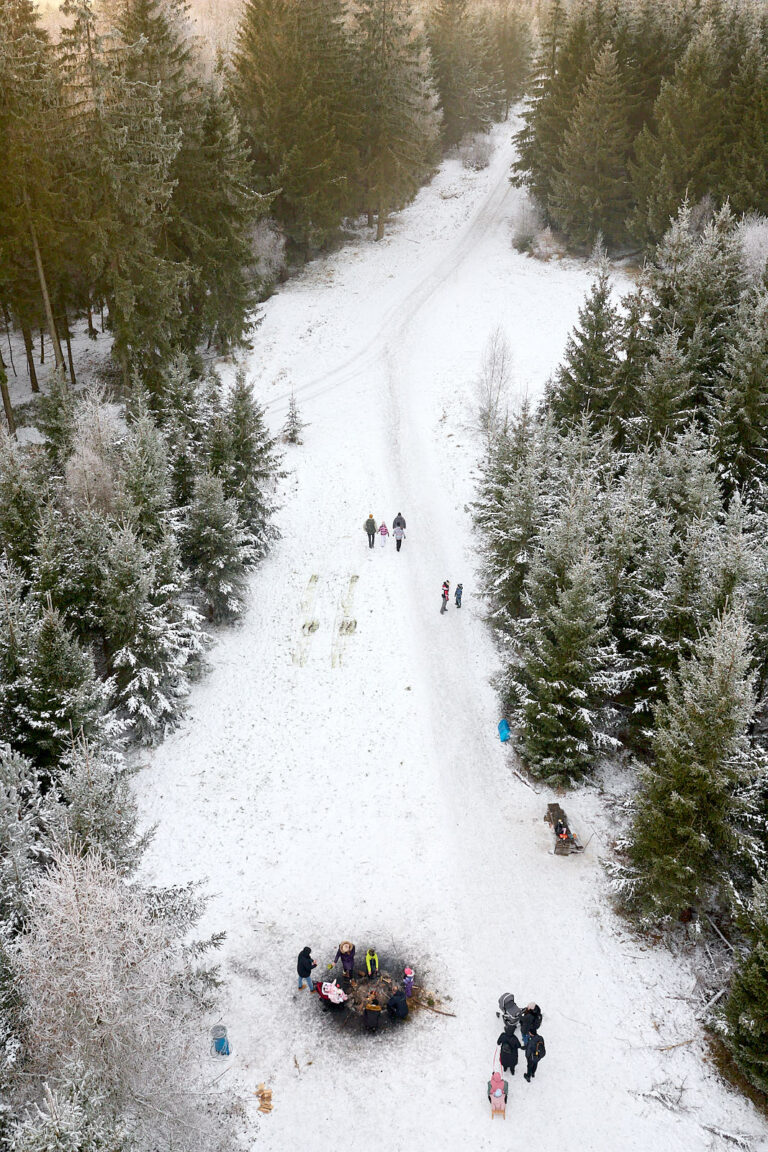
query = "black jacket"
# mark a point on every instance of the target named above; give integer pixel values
(530, 1020)
(534, 1049)
(305, 963)
(510, 1046)
(397, 1005)
(398, 522)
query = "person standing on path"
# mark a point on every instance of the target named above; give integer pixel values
(304, 966)
(399, 521)
(530, 1019)
(446, 594)
(399, 535)
(457, 594)
(370, 528)
(383, 533)
(534, 1051)
(509, 1046)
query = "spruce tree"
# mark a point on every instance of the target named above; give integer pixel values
(216, 549)
(740, 422)
(746, 1010)
(23, 834)
(292, 87)
(591, 193)
(121, 188)
(254, 464)
(469, 95)
(665, 401)
(19, 505)
(294, 425)
(561, 677)
(679, 156)
(398, 122)
(683, 829)
(584, 379)
(144, 475)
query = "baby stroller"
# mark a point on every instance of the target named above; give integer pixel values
(509, 1011)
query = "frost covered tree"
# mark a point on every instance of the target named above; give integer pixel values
(70, 1117)
(294, 425)
(102, 973)
(96, 809)
(561, 677)
(591, 358)
(150, 636)
(24, 843)
(746, 1011)
(591, 193)
(144, 475)
(741, 389)
(216, 549)
(684, 826)
(20, 498)
(251, 466)
(665, 392)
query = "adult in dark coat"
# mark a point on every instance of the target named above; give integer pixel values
(509, 1046)
(530, 1021)
(534, 1051)
(304, 966)
(372, 1015)
(397, 1005)
(399, 521)
(370, 528)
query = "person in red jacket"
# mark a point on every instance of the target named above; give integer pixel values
(446, 594)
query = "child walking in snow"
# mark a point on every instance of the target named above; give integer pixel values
(457, 594)
(399, 534)
(383, 533)
(446, 594)
(408, 978)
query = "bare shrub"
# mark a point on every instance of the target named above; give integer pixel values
(268, 247)
(475, 152)
(106, 985)
(753, 234)
(526, 225)
(91, 470)
(545, 246)
(492, 386)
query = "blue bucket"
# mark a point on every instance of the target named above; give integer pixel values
(504, 731)
(220, 1043)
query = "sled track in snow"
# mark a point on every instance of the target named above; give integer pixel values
(402, 313)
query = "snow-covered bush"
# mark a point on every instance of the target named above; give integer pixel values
(91, 468)
(526, 224)
(475, 151)
(23, 833)
(268, 247)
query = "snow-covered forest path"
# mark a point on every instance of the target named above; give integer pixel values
(337, 780)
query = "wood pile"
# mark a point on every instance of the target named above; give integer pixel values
(265, 1098)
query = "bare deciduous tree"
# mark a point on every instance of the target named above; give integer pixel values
(492, 386)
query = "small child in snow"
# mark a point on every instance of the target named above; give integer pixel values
(457, 594)
(446, 594)
(408, 977)
(383, 533)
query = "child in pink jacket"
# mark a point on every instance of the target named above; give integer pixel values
(383, 533)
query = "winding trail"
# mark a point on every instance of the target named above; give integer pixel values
(359, 790)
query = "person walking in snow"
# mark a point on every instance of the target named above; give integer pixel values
(509, 1047)
(383, 533)
(457, 594)
(534, 1051)
(346, 953)
(399, 534)
(370, 528)
(446, 594)
(304, 967)
(399, 521)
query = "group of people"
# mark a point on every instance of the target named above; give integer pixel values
(446, 595)
(398, 530)
(511, 1045)
(335, 996)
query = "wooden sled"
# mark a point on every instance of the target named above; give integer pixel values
(566, 840)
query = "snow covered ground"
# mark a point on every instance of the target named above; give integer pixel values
(338, 784)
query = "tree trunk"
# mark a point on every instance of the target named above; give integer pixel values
(42, 347)
(65, 318)
(7, 319)
(30, 351)
(7, 399)
(57, 353)
(92, 333)
(381, 219)
(370, 218)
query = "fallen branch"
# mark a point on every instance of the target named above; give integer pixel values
(734, 1137)
(429, 1008)
(680, 1044)
(217, 1078)
(526, 782)
(726, 942)
(714, 999)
